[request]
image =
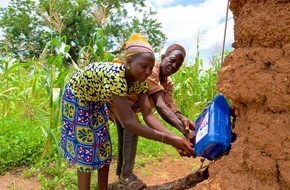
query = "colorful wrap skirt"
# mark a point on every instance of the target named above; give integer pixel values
(85, 140)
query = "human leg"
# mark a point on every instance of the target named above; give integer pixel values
(103, 175)
(84, 180)
(130, 141)
(127, 177)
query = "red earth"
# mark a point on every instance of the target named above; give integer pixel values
(157, 172)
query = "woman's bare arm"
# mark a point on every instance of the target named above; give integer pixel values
(148, 115)
(126, 116)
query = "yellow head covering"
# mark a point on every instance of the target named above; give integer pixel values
(136, 44)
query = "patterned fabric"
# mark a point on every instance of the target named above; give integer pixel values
(136, 44)
(85, 140)
(98, 81)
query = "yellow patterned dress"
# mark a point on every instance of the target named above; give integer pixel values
(85, 140)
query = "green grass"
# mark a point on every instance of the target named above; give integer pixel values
(21, 142)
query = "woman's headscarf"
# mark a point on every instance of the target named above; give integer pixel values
(137, 43)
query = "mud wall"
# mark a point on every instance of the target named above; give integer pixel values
(256, 77)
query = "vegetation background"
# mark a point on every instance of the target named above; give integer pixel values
(45, 44)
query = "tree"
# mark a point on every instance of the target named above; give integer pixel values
(28, 25)
(21, 30)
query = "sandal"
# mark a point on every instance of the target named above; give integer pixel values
(131, 183)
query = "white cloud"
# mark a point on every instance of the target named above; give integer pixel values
(182, 23)
(216, 34)
(162, 3)
(4, 3)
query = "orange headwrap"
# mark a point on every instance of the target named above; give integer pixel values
(136, 44)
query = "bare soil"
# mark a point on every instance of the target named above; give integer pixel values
(15, 180)
(157, 172)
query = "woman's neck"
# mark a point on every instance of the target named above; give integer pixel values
(129, 78)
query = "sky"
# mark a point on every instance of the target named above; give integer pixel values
(183, 21)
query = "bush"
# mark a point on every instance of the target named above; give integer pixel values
(21, 142)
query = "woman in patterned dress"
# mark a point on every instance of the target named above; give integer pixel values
(160, 93)
(85, 140)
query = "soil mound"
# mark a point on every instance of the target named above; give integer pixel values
(256, 78)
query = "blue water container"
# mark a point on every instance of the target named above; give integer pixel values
(213, 130)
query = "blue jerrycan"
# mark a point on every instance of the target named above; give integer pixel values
(213, 129)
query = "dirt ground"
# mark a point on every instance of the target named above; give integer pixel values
(15, 180)
(152, 174)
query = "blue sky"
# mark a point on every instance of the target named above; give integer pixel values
(183, 20)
